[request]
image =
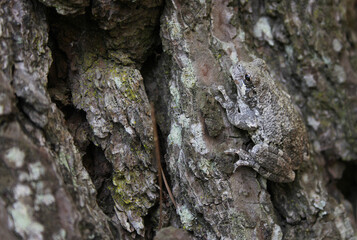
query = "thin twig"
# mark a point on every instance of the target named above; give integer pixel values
(161, 173)
(168, 189)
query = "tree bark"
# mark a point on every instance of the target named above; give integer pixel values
(255, 107)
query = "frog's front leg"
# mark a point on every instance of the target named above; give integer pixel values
(269, 161)
(238, 113)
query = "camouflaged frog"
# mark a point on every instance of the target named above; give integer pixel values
(274, 124)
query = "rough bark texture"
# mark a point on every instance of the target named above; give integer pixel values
(76, 137)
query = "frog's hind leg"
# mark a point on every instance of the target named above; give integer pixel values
(250, 159)
(245, 159)
(273, 163)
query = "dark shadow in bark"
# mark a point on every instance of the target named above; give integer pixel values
(348, 185)
(100, 170)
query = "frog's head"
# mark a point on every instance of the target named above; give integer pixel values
(247, 78)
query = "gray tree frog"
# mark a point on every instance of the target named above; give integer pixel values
(275, 126)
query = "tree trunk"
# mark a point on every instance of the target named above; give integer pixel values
(255, 106)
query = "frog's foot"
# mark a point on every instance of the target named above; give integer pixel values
(245, 159)
(226, 103)
(238, 113)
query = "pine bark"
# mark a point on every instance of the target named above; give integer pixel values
(76, 135)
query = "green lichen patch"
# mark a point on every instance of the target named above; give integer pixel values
(129, 191)
(88, 59)
(127, 80)
(121, 57)
(103, 79)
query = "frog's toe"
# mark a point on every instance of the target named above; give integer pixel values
(221, 89)
(231, 151)
(243, 163)
(220, 100)
(224, 93)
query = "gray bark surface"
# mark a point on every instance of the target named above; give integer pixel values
(267, 151)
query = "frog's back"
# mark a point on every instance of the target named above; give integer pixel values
(280, 120)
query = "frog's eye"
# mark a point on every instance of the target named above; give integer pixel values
(247, 77)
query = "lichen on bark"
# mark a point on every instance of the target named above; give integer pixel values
(104, 84)
(76, 137)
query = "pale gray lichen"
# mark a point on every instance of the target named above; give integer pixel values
(289, 51)
(46, 199)
(310, 80)
(339, 73)
(174, 28)
(36, 170)
(175, 94)
(337, 46)
(320, 204)
(188, 76)
(343, 223)
(197, 140)
(262, 29)
(184, 121)
(313, 122)
(211, 236)
(24, 223)
(326, 60)
(186, 217)
(305, 178)
(60, 235)
(277, 234)
(175, 136)
(21, 191)
(241, 34)
(230, 49)
(15, 157)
